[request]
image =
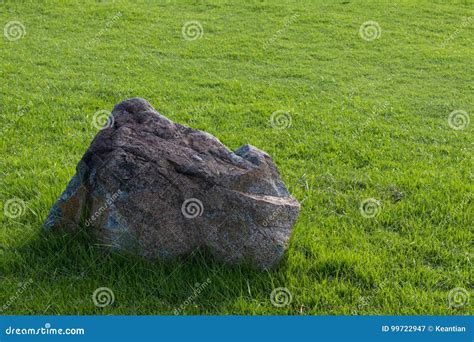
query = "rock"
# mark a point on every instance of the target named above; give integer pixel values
(161, 190)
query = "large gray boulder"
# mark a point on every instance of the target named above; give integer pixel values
(161, 189)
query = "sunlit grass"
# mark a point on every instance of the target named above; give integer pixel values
(369, 120)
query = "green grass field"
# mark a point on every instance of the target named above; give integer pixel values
(370, 119)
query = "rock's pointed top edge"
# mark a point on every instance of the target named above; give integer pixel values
(134, 105)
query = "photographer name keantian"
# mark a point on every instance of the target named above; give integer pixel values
(455, 328)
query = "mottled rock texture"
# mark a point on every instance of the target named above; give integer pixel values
(161, 190)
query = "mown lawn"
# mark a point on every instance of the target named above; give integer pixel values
(370, 119)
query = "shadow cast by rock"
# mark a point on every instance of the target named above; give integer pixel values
(67, 268)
